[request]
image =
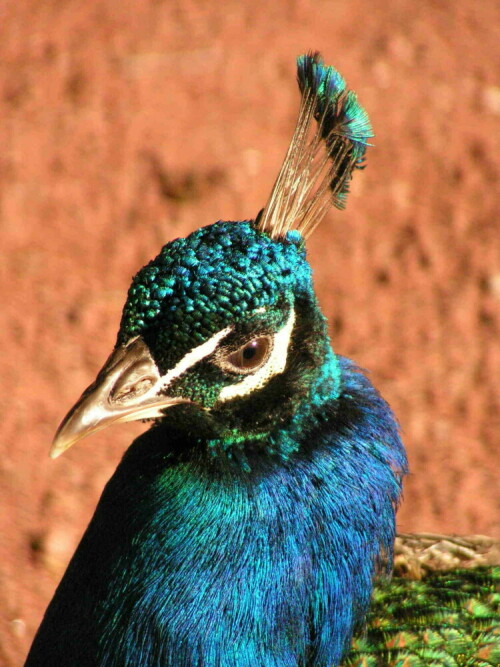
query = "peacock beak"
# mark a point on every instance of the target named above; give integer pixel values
(126, 389)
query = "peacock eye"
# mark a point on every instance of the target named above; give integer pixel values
(250, 356)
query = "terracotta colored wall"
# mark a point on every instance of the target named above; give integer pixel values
(120, 129)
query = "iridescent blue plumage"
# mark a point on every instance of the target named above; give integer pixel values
(194, 561)
(244, 528)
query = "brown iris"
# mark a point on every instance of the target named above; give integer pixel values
(251, 355)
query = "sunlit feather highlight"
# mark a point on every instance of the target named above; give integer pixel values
(321, 158)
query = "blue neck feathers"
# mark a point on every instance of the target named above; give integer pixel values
(194, 562)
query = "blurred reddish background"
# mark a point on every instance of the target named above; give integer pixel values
(123, 125)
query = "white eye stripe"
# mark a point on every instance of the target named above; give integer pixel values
(188, 360)
(193, 357)
(274, 365)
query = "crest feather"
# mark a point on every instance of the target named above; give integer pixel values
(320, 160)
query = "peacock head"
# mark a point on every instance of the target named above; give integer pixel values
(212, 291)
(224, 324)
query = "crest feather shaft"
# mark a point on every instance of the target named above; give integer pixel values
(321, 157)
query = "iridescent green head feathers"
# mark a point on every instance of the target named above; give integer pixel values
(218, 276)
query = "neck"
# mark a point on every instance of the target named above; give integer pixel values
(307, 534)
(338, 486)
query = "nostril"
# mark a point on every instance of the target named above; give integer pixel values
(129, 390)
(133, 383)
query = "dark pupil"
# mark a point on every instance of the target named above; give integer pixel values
(250, 350)
(251, 355)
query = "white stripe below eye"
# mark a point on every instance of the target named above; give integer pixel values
(274, 365)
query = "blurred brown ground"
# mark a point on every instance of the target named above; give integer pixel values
(123, 125)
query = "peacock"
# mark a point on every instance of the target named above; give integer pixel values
(253, 523)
